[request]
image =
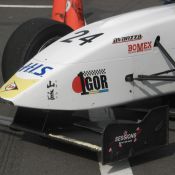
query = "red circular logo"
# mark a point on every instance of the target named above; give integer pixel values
(76, 85)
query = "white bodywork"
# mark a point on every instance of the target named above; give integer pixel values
(50, 80)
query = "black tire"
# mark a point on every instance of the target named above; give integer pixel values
(27, 40)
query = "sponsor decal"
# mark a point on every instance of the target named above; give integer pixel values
(125, 138)
(90, 82)
(127, 39)
(84, 40)
(35, 69)
(51, 90)
(11, 86)
(140, 47)
(15, 86)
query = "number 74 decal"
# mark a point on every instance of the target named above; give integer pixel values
(85, 40)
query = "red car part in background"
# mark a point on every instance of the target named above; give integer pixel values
(69, 12)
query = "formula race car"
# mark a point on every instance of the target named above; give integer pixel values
(122, 66)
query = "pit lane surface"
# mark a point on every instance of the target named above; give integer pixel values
(27, 154)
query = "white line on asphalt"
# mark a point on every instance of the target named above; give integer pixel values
(116, 168)
(25, 6)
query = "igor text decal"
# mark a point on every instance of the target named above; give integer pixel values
(90, 82)
(127, 39)
(140, 47)
(35, 69)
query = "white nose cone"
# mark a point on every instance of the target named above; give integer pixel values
(24, 80)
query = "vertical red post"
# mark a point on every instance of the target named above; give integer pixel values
(59, 10)
(70, 12)
(74, 14)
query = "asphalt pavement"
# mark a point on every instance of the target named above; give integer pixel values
(25, 154)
